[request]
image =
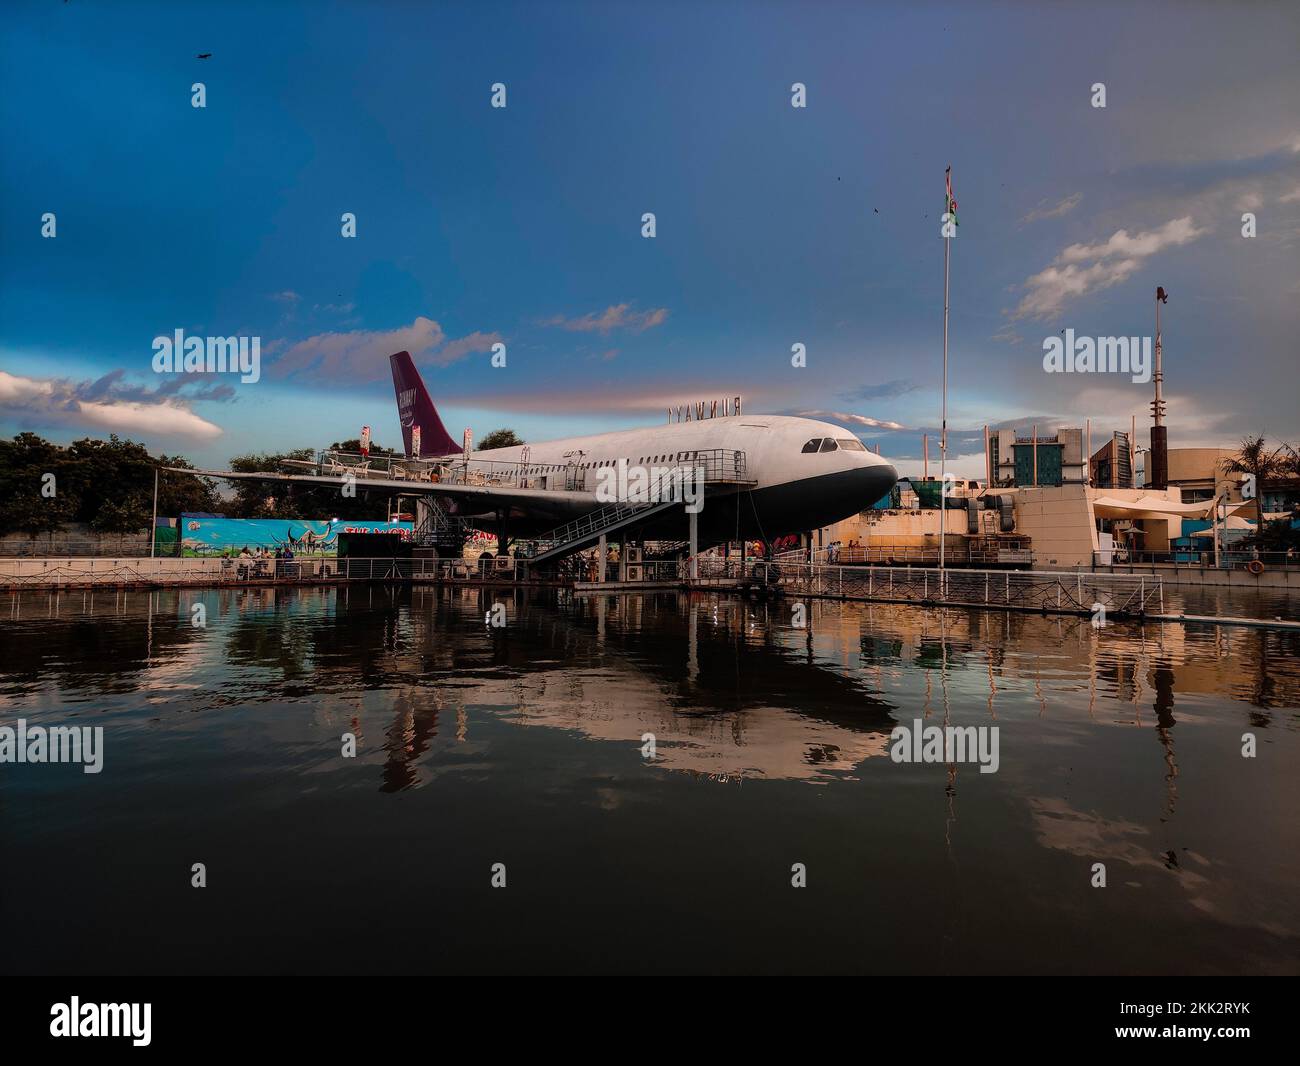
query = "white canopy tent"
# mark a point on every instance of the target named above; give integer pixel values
(1149, 506)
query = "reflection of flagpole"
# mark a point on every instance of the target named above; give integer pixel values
(943, 432)
(153, 531)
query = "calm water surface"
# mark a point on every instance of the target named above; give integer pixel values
(523, 746)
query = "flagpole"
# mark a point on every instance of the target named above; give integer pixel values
(943, 433)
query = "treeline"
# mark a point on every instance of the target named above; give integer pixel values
(108, 486)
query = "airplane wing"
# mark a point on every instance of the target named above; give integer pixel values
(491, 497)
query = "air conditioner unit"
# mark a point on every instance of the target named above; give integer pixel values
(634, 572)
(634, 555)
(503, 562)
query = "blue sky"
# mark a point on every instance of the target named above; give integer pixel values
(775, 225)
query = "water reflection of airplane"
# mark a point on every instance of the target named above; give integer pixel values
(746, 669)
(663, 665)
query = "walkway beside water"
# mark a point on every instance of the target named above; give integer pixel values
(1081, 593)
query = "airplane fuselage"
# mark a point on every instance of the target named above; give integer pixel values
(790, 484)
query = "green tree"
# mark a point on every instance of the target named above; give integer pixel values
(24, 504)
(277, 499)
(264, 499)
(184, 493)
(354, 447)
(500, 438)
(108, 485)
(1255, 458)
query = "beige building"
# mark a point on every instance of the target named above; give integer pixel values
(1059, 524)
(1199, 473)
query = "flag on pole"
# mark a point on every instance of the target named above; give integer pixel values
(949, 204)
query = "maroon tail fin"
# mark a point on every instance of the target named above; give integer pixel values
(415, 408)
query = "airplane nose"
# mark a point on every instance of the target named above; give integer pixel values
(874, 481)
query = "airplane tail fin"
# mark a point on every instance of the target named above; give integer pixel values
(415, 408)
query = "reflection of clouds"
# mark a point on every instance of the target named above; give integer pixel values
(1064, 828)
(617, 705)
(1090, 836)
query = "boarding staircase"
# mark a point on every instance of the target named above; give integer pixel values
(435, 527)
(575, 535)
(711, 467)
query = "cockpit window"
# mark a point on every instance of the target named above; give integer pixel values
(852, 444)
(828, 444)
(812, 446)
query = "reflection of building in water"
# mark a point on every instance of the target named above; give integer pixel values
(729, 686)
(409, 736)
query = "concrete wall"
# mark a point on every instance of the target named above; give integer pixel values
(1197, 464)
(75, 540)
(1271, 578)
(1059, 524)
(96, 571)
(897, 529)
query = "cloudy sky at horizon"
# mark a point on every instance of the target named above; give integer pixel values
(522, 225)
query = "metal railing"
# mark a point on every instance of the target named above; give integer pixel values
(711, 465)
(1013, 553)
(1068, 592)
(589, 525)
(1027, 589)
(1195, 558)
(452, 471)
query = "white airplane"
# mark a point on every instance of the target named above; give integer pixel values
(765, 475)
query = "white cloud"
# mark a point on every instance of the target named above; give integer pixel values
(362, 355)
(463, 346)
(1083, 268)
(1046, 209)
(53, 401)
(852, 419)
(1140, 245)
(15, 391)
(167, 418)
(616, 316)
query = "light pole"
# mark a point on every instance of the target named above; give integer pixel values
(949, 225)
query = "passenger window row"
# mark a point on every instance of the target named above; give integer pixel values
(671, 457)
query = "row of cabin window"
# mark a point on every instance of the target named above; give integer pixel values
(678, 457)
(830, 444)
